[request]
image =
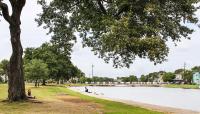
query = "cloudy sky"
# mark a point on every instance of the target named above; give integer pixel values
(187, 51)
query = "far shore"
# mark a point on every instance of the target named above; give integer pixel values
(183, 86)
(166, 110)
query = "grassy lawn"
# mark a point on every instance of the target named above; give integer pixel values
(184, 86)
(60, 100)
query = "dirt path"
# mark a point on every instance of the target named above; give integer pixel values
(65, 105)
(61, 104)
(82, 106)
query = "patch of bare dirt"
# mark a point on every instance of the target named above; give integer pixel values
(83, 106)
(71, 99)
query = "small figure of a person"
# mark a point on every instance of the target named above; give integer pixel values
(86, 90)
(29, 92)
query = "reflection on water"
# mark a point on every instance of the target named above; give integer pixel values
(171, 97)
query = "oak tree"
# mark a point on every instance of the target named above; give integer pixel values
(4, 69)
(36, 70)
(120, 30)
(16, 86)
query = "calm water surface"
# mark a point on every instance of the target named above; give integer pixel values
(170, 97)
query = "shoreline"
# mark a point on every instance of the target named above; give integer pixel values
(165, 110)
(163, 86)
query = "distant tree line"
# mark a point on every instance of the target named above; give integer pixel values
(48, 62)
(130, 79)
(186, 75)
(96, 79)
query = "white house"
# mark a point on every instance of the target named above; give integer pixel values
(159, 79)
(178, 77)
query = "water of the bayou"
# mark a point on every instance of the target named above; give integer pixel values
(170, 97)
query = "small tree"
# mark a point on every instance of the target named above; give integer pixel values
(4, 69)
(168, 77)
(36, 70)
(59, 64)
(82, 79)
(144, 78)
(188, 76)
(133, 78)
(196, 69)
(179, 71)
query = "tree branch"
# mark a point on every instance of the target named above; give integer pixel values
(123, 8)
(101, 6)
(17, 9)
(5, 12)
(12, 2)
(21, 3)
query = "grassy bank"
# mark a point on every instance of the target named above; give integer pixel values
(60, 100)
(76, 85)
(184, 86)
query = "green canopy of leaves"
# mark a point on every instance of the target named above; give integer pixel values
(4, 67)
(188, 76)
(120, 30)
(144, 78)
(196, 69)
(36, 70)
(168, 77)
(58, 62)
(130, 78)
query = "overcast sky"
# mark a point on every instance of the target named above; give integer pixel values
(32, 36)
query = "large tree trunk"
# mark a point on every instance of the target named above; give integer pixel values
(16, 83)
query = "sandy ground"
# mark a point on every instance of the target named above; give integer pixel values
(61, 104)
(166, 110)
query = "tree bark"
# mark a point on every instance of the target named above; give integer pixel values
(16, 90)
(36, 83)
(16, 85)
(44, 82)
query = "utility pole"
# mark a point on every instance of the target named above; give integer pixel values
(184, 67)
(92, 70)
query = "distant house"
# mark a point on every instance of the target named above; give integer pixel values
(196, 78)
(160, 78)
(178, 78)
(3, 77)
(119, 80)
